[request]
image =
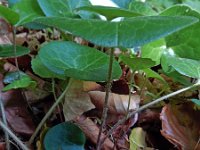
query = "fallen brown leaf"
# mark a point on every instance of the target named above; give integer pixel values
(91, 131)
(179, 126)
(117, 103)
(76, 101)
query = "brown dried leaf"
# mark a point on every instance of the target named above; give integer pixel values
(117, 103)
(180, 127)
(20, 121)
(76, 101)
(91, 131)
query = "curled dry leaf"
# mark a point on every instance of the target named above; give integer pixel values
(76, 101)
(91, 131)
(179, 126)
(117, 104)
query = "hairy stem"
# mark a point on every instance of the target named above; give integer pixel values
(149, 105)
(105, 108)
(48, 114)
(15, 138)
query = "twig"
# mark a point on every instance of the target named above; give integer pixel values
(48, 114)
(5, 122)
(15, 138)
(105, 107)
(148, 105)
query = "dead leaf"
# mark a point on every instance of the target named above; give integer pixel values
(20, 121)
(117, 103)
(91, 131)
(76, 101)
(180, 127)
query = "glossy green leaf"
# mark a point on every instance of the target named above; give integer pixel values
(128, 33)
(23, 82)
(28, 10)
(40, 69)
(187, 67)
(62, 8)
(109, 12)
(8, 14)
(154, 50)
(77, 61)
(12, 76)
(137, 63)
(64, 136)
(7, 51)
(185, 42)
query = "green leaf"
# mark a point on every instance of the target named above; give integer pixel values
(40, 69)
(185, 42)
(137, 63)
(152, 74)
(128, 33)
(109, 12)
(11, 3)
(12, 76)
(23, 82)
(62, 8)
(142, 8)
(187, 67)
(8, 14)
(77, 61)
(137, 139)
(154, 50)
(64, 136)
(197, 103)
(28, 10)
(7, 51)
(194, 4)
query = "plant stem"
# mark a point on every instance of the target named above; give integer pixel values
(130, 89)
(5, 122)
(148, 105)
(15, 50)
(55, 98)
(15, 138)
(48, 114)
(105, 107)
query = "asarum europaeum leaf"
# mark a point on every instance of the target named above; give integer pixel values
(68, 59)
(129, 33)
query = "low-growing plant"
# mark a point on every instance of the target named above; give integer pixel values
(168, 38)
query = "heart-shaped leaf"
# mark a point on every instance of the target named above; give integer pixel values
(61, 8)
(28, 10)
(110, 12)
(40, 69)
(73, 60)
(8, 14)
(137, 63)
(185, 42)
(64, 136)
(128, 33)
(187, 67)
(7, 51)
